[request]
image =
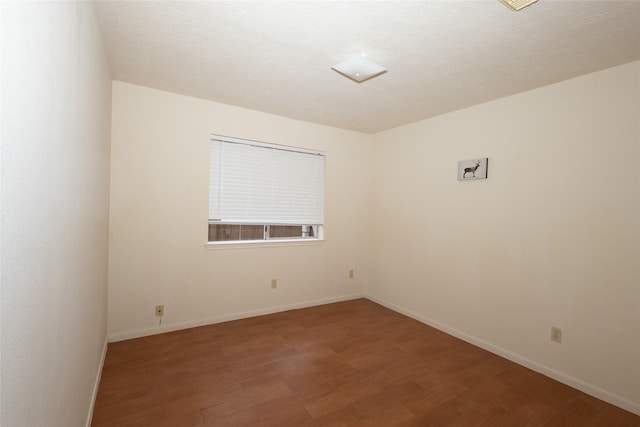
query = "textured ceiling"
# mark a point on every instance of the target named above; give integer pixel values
(276, 56)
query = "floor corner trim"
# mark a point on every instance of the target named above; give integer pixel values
(96, 385)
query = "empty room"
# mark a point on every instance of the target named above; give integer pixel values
(320, 213)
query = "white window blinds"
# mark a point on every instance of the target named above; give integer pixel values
(251, 182)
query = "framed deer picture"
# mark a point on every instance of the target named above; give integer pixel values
(472, 169)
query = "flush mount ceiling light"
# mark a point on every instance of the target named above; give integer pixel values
(359, 68)
(517, 4)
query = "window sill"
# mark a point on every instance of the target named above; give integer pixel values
(245, 244)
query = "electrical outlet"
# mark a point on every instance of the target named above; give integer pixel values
(160, 310)
(350, 274)
(556, 334)
(274, 283)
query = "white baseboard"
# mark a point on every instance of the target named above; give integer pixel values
(534, 366)
(121, 336)
(97, 383)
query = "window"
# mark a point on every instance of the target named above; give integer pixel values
(260, 191)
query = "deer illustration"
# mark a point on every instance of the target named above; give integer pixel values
(472, 169)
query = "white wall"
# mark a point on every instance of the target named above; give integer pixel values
(159, 211)
(551, 238)
(56, 94)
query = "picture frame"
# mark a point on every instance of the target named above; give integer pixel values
(473, 169)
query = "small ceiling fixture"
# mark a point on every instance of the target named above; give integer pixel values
(517, 4)
(359, 68)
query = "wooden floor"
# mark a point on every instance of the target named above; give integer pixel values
(347, 364)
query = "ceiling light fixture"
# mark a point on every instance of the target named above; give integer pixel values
(517, 4)
(359, 68)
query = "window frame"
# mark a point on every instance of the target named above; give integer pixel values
(315, 230)
(267, 239)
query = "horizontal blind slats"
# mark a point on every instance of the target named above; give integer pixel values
(255, 184)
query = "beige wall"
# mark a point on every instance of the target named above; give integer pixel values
(551, 238)
(56, 92)
(159, 210)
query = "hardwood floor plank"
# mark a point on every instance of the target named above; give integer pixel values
(353, 363)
